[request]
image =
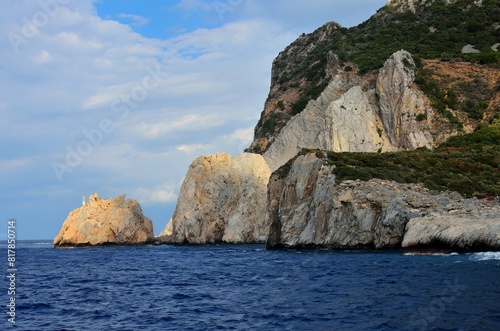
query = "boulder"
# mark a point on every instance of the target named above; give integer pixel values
(222, 200)
(117, 221)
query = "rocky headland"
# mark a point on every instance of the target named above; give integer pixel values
(101, 222)
(355, 90)
(310, 207)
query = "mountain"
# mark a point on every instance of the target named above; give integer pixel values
(454, 45)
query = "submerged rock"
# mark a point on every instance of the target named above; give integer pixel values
(117, 221)
(222, 199)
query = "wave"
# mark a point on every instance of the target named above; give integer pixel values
(431, 254)
(485, 256)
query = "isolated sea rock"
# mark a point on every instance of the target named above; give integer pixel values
(455, 232)
(351, 116)
(308, 208)
(222, 199)
(117, 221)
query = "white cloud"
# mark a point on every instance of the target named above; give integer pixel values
(136, 19)
(43, 57)
(234, 143)
(162, 194)
(194, 148)
(187, 123)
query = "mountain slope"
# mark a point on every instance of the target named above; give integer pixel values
(429, 30)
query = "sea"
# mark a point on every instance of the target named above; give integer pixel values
(246, 287)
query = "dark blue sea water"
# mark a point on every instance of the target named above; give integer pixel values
(249, 288)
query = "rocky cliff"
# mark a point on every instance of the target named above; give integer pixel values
(321, 72)
(222, 199)
(308, 207)
(117, 221)
(396, 82)
(350, 116)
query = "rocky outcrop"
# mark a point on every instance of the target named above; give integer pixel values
(222, 199)
(308, 208)
(351, 117)
(463, 233)
(412, 5)
(117, 221)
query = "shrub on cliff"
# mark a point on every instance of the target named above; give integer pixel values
(468, 164)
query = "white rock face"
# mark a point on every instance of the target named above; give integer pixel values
(459, 232)
(222, 199)
(308, 208)
(399, 103)
(347, 118)
(470, 49)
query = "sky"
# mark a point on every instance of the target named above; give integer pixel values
(120, 96)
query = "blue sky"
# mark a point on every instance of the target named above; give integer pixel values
(119, 96)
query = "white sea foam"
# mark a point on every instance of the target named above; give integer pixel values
(431, 254)
(485, 256)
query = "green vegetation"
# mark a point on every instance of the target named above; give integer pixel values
(436, 32)
(468, 164)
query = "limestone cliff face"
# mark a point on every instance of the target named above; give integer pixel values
(350, 116)
(105, 222)
(222, 199)
(459, 232)
(308, 208)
